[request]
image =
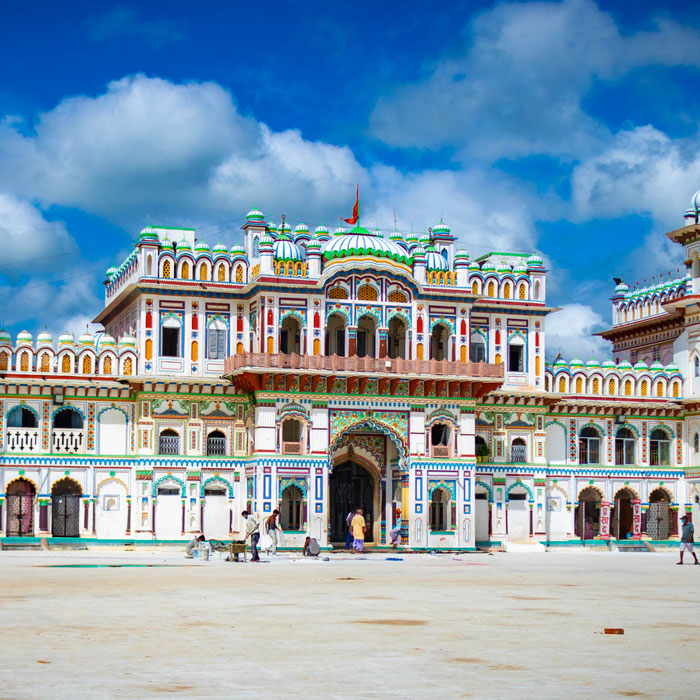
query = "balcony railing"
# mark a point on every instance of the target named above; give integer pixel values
(22, 439)
(440, 451)
(216, 446)
(355, 364)
(291, 448)
(67, 440)
(168, 445)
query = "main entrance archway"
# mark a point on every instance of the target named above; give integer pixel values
(20, 508)
(351, 486)
(622, 514)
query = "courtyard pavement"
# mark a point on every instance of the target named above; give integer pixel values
(428, 626)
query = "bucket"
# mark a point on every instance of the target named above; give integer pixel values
(204, 552)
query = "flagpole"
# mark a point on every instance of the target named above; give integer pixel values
(357, 197)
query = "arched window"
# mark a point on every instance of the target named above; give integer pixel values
(659, 448)
(440, 510)
(396, 338)
(45, 365)
(169, 442)
(335, 335)
(439, 342)
(696, 365)
(166, 269)
(217, 340)
(611, 386)
(521, 291)
(292, 509)
(440, 440)
(256, 247)
(185, 271)
(518, 451)
(660, 389)
(644, 386)
(239, 273)
(221, 274)
(397, 297)
(366, 336)
(492, 290)
(21, 417)
(367, 293)
(292, 433)
(589, 446)
(696, 443)
(87, 364)
(107, 365)
(66, 364)
(475, 287)
(562, 385)
(3, 360)
(628, 388)
(216, 444)
(537, 290)
(68, 419)
(675, 389)
(625, 443)
(170, 341)
(596, 386)
(506, 291)
(516, 354)
(337, 293)
(24, 362)
(203, 272)
(128, 366)
(477, 348)
(579, 385)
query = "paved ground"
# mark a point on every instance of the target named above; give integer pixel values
(440, 626)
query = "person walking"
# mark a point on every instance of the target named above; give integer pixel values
(395, 532)
(687, 539)
(272, 528)
(348, 523)
(359, 528)
(252, 530)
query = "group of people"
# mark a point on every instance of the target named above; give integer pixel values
(357, 529)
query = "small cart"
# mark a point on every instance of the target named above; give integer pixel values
(232, 548)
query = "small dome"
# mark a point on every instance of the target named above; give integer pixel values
(520, 269)
(313, 245)
(695, 203)
(44, 338)
(641, 365)
(321, 229)
(166, 245)
(441, 227)
(576, 363)
(593, 364)
(339, 231)
(111, 271)
(625, 365)
(24, 337)
(5, 338)
(86, 339)
(266, 241)
(419, 252)
(271, 228)
(673, 367)
(220, 248)
(377, 233)
(435, 261)
(474, 265)
(560, 362)
(237, 250)
(66, 338)
(285, 228)
(107, 341)
(504, 269)
(255, 215)
(285, 249)
(622, 287)
(412, 238)
(127, 341)
(184, 247)
(488, 267)
(321, 233)
(202, 247)
(425, 240)
(148, 234)
(656, 367)
(608, 364)
(301, 228)
(461, 254)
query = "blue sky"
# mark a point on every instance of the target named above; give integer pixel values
(568, 128)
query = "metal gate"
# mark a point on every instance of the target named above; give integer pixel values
(65, 516)
(20, 515)
(658, 520)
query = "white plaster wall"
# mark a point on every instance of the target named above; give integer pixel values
(319, 430)
(112, 433)
(109, 523)
(265, 429)
(466, 435)
(417, 430)
(168, 517)
(555, 447)
(518, 520)
(216, 517)
(481, 508)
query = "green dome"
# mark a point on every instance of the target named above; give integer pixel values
(148, 234)
(254, 215)
(201, 247)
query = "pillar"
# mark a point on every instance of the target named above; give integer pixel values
(128, 516)
(636, 519)
(605, 520)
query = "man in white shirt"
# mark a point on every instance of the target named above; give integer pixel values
(252, 530)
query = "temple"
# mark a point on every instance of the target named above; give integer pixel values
(321, 371)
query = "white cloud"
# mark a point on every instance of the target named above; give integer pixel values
(28, 240)
(641, 171)
(516, 87)
(569, 333)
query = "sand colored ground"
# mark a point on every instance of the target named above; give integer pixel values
(442, 626)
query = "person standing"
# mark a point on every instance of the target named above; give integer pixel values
(358, 527)
(687, 539)
(395, 532)
(252, 530)
(272, 527)
(348, 523)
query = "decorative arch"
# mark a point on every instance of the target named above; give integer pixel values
(294, 314)
(168, 477)
(487, 487)
(217, 480)
(449, 486)
(64, 406)
(556, 422)
(595, 426)
(24, 405)
(590, 486)
(666, 429)
(666, 490)
(624, 487)
(371, 425)
(63, 477)
(520, 484)
(111, 478)
(294, 481)
(113, 408)
(443, 415)
(556, 487)
(23, 478)
(400, 313)
(293, 410)
(632, 427)
(442, 321)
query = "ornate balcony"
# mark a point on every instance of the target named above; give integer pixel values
(292, 448)
(23, 439)
(67, 440)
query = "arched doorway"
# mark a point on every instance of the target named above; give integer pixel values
(111, 509)
(439, 342)
(366, 336)
(20, 508)
(335, 335)
(290, 336)
(659, 515)
(169, 510)
(217, 513)
(481, 506)
(518, 515)
(351, 486)
(292, 509)
(397, 338)
(622, 514)
(65, 508)
(587, 515)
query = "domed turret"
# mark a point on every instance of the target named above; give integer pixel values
(86, 340)
(534, 262)
(441, 228)
(576, 363)
(560, 362)
(237, 251)
(167, 245)
(255, 215)
(435, 261)
(107, 341)
(359, 242)
(183, 247)
(461, 254)
(488, 267)
(641, 366)
(504, 269)
(24, 338)
(321, 233)
(656, 367)
(672, 368)
(219, 249)
(520, 269)
(66, 339)
(111, 271)
(285, 249)
(44, 338)
(126, 342)
(340, 231)
(201, 247)
(593, 364)
(5, 337)
(608, 364)
(148, 235)
(624, 365)
(271, 229)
